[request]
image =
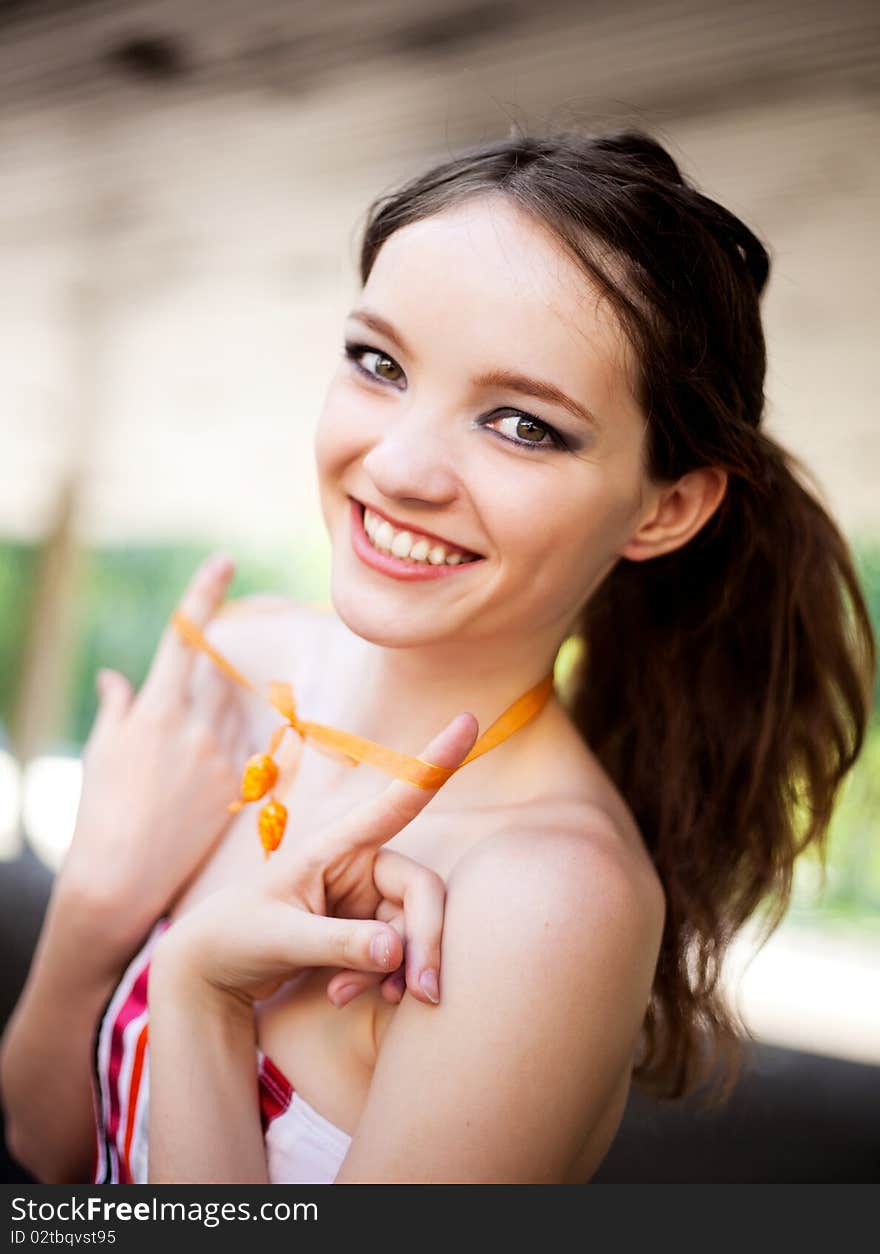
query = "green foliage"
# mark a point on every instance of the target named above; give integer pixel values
(18, 564)
(867, 562)
(849, 891)
(124, 600)
(124, 596)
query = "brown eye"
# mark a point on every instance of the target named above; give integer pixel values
(373, 363)
(384, 365)
(527, 432)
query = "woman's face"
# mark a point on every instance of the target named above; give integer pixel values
(416, 427)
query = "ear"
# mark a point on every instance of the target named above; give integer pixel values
(679, 511)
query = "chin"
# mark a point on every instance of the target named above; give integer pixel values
(378, 617)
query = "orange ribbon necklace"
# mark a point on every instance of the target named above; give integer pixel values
(261, 771)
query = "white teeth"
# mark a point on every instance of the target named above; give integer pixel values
(383, 536)
(401, 544)
(405, 545)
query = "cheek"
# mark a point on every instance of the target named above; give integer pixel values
(553, 544)
(339, 434)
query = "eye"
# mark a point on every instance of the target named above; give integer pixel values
(529, 432)
(381, 362)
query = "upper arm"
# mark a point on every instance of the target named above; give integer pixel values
(548, 955)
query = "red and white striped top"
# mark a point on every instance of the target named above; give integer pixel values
(302, 1147)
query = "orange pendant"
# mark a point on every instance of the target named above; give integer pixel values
(271, 823)
(260, 774)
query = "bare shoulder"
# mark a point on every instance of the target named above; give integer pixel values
(570, 878)
(266, 638)
(549, 948)
(263, 633)
(248, 616)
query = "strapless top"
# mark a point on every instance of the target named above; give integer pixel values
(302, 1147)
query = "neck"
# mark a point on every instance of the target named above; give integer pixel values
(402, 697)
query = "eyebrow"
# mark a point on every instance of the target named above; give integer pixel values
(509, 379)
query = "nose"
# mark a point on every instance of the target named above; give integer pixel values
(413, 463)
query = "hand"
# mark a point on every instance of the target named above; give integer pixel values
(324, 902)
(158, 775)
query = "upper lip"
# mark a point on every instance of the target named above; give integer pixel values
(406, 526)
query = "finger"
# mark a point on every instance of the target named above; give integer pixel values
(211, 693)
(423, 894)
(115, 695)
(346, 985)
(391, 987)
(323, 941)
(389, 911)
(232, 734)
(174, 657)
(394, 986)
(375, 821)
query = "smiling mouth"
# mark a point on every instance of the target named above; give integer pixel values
(410, 545)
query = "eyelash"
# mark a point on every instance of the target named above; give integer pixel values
(353, 351)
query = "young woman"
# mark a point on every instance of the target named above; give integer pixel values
(546, 422)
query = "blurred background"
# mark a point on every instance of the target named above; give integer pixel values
(181, 196)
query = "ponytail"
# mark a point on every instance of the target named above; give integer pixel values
(726, 689)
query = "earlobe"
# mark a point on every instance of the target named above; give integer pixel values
(682, 509)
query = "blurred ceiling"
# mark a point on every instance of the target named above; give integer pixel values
(660, 54)
(184, 183)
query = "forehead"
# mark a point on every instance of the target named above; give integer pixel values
(488, 275)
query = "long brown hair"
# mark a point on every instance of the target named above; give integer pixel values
(726, 686)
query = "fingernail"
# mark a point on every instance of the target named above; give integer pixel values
(380, 949)
(343, 995)
(429, 986)
(218, 565)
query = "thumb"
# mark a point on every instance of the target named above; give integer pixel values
(115, 695)
(319, 940)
